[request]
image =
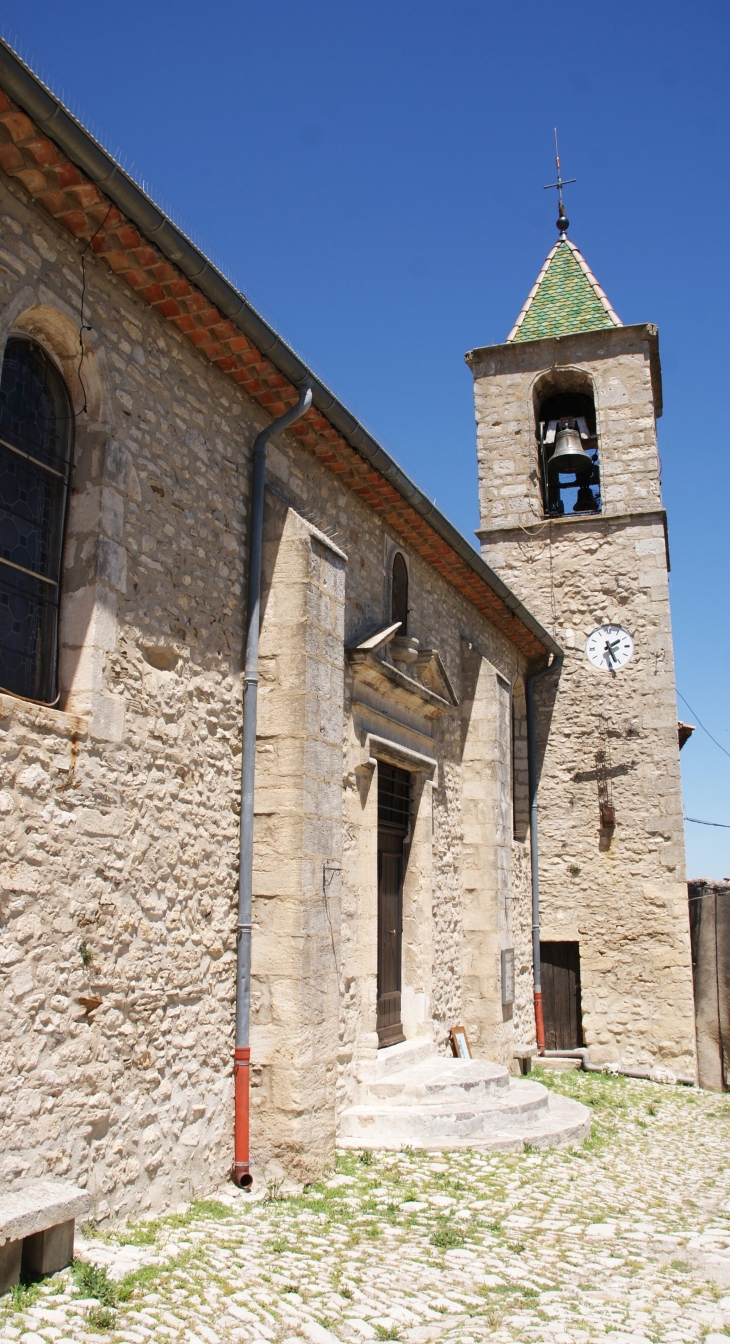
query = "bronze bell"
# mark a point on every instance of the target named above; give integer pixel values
(586, 501)
(569, 454)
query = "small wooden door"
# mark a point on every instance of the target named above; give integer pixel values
(560, 976)
(393, 823)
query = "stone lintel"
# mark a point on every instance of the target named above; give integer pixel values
(390, 681)
(381, 749)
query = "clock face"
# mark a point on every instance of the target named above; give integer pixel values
(609, 647)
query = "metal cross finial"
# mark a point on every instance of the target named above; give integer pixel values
(562, 221)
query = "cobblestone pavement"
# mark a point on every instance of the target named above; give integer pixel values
(629, 1234)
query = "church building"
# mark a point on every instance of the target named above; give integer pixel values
(461, 785)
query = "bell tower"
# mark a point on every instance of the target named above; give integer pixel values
(572, 520)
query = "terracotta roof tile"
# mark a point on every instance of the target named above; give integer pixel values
(80, 207)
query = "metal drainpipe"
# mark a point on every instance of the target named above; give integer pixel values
(242, 1054)
(583, 1055)
(556, 663)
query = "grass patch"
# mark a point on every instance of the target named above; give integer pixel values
(23, 1295)
(447, 1237)
(387, 1332)
(100, 1318)
(148, 1232)
(93, 1281)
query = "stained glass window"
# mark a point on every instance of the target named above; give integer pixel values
(36, 440)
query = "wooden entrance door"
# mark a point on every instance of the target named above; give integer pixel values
(560, 976)
(393, 825)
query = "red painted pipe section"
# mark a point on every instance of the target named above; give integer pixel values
(242, 1129)
(539, 1023)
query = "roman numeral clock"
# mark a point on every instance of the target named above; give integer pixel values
(609, 648)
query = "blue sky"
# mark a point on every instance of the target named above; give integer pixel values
(370, 175)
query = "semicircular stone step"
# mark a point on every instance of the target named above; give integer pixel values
(442, 1103)
(437, 1080)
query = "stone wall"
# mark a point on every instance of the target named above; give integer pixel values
(119, 865)
(118, 878)
(619, 893)
(438, 952)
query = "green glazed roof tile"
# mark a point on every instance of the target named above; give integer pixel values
(565, 298)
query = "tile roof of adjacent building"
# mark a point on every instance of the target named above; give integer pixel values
(71, 176)
(565, 298)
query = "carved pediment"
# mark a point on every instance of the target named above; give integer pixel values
(399, 669)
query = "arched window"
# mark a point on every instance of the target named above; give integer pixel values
(36, 440)
(399, 593)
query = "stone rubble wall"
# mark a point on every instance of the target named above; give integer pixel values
(438, 616)
(119, 866)
(120, 836)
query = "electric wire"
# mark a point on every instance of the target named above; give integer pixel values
(724, 825)
(702, 726)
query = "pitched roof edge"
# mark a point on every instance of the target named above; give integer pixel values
(528, 301)
(590, 277)
(50, 114)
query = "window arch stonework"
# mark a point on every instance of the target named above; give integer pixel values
(36, 442)
(93, 571)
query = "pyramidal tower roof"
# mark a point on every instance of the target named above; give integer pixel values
(565, 298)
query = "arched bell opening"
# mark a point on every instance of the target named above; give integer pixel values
(567, 442)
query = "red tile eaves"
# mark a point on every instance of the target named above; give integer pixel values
(82, 209)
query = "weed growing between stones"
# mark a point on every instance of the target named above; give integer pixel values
(447, 1237)
(100, 1318)
(93, 1281)
(23, 1295)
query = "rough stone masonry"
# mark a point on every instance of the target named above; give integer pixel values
(120, 803)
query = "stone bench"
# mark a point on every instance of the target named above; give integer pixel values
(523, 1057)
(37, 1229)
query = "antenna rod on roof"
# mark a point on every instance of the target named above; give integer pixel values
(562, 222)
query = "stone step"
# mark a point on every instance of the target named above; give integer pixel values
(538, 1120)
(405, 1055)
(413, 1097)
(436, 1080)
(413, 1122)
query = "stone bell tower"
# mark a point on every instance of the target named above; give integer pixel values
(572, 520)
